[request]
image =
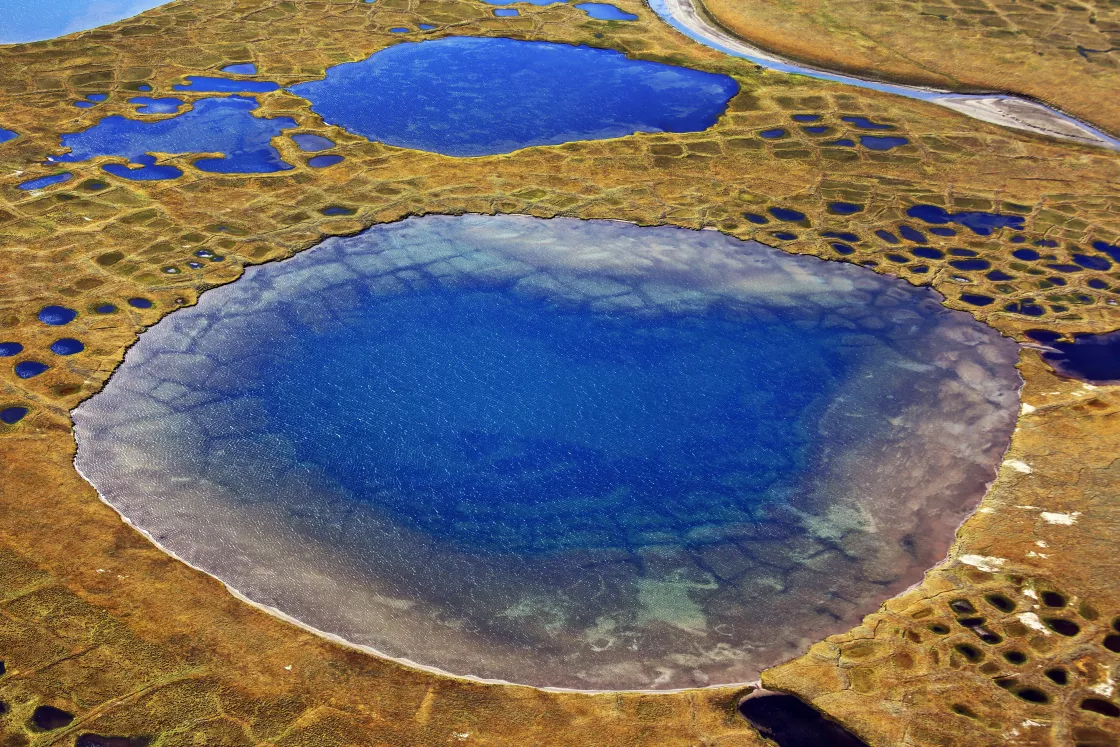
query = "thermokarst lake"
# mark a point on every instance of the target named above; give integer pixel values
(563, 453)
(467, 97)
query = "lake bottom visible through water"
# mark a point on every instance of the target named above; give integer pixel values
(554, 452)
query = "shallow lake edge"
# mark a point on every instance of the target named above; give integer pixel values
(416, 666)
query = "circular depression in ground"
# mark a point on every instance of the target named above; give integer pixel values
(554, 452)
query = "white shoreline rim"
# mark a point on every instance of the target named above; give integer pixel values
(474, 679)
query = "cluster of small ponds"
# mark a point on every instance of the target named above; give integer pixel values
(52, 316)
(871, 142)
(480, 96)
(476, 443)
(492, 95)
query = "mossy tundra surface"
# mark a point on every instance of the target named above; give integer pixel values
(98, 623)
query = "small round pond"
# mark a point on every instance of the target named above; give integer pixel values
(554, 452)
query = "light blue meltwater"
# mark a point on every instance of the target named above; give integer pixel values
(35, 20)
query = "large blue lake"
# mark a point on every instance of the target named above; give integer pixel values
(461, 96)
(34, 20)
(472, 96)
(565, 453)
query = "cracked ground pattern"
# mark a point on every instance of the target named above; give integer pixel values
(103, 637)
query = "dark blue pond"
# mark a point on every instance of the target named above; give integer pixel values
(214, 125)
(45, 181)
(206, 84)
(56, 316)
(322, 162)
(866, 124)
(980, 223)
(67, 346)
(477, 406)
(1091, 358)
(144, 168)
(605, 12)
(6, 135)
(30, 369)
(877, 142)
(559, 452)
(472, 96)
(12, 415)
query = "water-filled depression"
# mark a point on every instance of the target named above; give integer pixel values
(562, 453)
(474, 96)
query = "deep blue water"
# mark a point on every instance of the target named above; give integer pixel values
(143, 168)
(876, 142)
(222, 125)
(979, 222)
(1092, 358)
(30, 369)
(12, 415)
(867, 124)
(67, 346)
(45, 181)
(322, 162)
(207, 84)
(504, 425)
(56, 316)
(605, 12)
(6, 135)
(469, 96)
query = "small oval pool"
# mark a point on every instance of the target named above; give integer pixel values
(475, 96)
(562, 453)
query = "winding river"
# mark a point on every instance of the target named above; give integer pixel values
(1003, 109)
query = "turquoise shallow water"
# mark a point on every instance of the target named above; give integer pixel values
(580, 454)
